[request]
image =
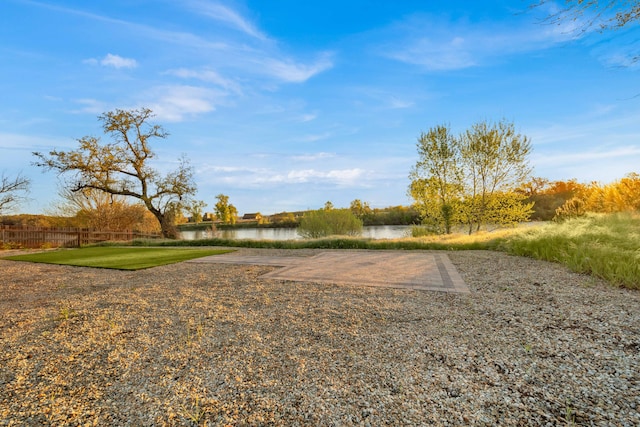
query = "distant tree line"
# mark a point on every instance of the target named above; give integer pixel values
(392, 215)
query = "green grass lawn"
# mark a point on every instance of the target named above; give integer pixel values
(119, 258)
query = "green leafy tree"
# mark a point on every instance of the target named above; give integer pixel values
(508, 209)
(196, 210)
(393, 215)
(123, 166)
(436, 216)
(495, 159)
(437, 177)
(333, 222)
(226, 212)
(284, 218)
(360, 209)
(469, 179)
(328, 206)
(233, 213)
(12, 191)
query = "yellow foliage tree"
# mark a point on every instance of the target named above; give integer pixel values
(620, 196)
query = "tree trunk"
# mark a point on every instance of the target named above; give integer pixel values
(166, 221)
(447, 212)
(169, 230)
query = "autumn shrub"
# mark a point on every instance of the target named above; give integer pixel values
(620, 196)
(10, 245)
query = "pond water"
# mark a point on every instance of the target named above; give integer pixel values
(373, 232)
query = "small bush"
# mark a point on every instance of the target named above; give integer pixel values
(10, 245)
(329, 222)
(421, 231)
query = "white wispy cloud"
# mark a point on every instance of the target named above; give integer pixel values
(89, 105)
(601, 163)
(261, 57)
(233, 172)
(140, 30)
(288, 70)
(621, 50)
(225, 169)
(439, 44)
(621, 59)
(315, 137)
(178, 103)
(307, 117)
(29, 143)
(257, 59)
(397, 103)
(301, 176)
(253, 176)
(222, 13)
(313, 157)
(386, 99)
(111, 60)
(591, 126)
(600, 153)
(209, 76)
(436, 54)
(118, 61)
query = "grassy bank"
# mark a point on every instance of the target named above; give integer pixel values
(606, 246)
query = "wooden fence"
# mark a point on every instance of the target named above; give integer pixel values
(38, 237)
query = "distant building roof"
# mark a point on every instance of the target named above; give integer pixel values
(250, 216)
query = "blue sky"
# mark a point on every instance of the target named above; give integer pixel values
(285, 104)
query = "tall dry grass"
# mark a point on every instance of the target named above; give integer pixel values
(604, 245)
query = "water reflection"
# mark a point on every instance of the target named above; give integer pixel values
(373, 232)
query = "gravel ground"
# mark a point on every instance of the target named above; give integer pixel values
(215, 344)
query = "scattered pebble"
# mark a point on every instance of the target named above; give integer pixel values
(214, 344)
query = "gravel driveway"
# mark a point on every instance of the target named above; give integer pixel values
(217, 344)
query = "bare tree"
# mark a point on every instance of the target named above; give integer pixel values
(602, 15)
(122, 167)
(12, 191)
